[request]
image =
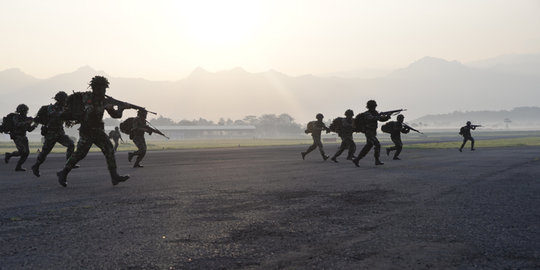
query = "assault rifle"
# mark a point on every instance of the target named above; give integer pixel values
(409, 127)
(390, 113)
(157, 131)
(475, 126)
(116, 102)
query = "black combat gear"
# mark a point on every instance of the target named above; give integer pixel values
(316, 130)
(137, 135)
(92, 131)
(466, 132)
(53, 131)
(115, 136)
(20, 125)
(371, 119)
(346, 134)
(396, 128)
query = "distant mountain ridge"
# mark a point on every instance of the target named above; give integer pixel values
(427, 86)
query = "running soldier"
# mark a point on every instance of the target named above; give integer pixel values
(395, 128)
(52, 119)
(315, 128)
(371, 117)
(137, 135)
(115, 136)
(465, 131)
(346, 134)
(92, 130)
(19, 124)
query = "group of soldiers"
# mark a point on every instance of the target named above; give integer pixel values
(367, 123)
(89, 114)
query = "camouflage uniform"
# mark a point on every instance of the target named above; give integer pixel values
(92, 131)
(53, 133)
(316, 135)
(467, 136)
(21, 125)
(137, 135)
(395, 134)
(347, 142)
(371, 118)
(115, 136)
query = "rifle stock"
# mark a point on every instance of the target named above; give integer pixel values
(390, 113)
(411, 128)
(157, 131)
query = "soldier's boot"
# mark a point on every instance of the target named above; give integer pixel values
(378, 162)
(325, 157)
(35, 169)
(303, 155)
(76, 166)
(130, 156)
(388, 151)
(19, 168)
(7, 156)
(137, 165)
(396, 158)
(356, 161)
(472, 149)
(460, 149)
(115, 178)
(62, 177)
(334, 159)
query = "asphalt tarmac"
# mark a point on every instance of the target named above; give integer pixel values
(266, 208)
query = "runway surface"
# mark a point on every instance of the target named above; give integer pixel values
(266, 208)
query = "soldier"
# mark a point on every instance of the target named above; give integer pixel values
(20, 124)
(315, 128)
(115, 136)
(92, 130)
(465, 131)
(396, 128)
(52, 119)
(346, 134)
(371, 117)
(137, 135)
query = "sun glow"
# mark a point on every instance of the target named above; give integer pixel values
(221, 23)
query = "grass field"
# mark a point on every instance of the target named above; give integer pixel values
(436, 140)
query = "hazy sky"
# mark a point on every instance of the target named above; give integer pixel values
(168, 39)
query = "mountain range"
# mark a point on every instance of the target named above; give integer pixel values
(427, 86)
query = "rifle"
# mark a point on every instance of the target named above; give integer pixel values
(124, 104)
(409, 127)
(154, 129)
(475, 126)
(390, 113)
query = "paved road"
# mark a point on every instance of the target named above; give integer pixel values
(266, 208)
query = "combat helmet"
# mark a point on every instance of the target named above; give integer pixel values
(319, 116)
(468, 123)
(61, 96)
(22, 108)
(400, 117)
(371, 104)
(349, 112)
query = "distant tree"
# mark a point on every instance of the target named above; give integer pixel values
(162, 121)
(229, 122)
(185, 123)
(221, 121)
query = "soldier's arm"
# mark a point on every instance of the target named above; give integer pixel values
(405, 130)
(112, 112)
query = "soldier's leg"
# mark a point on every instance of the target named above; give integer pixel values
(23, 149)
(140, 142)
(67, 142)
(399, 147)
(342, 148)
(366, 148)
(115, 145)
(472, 143)
(83, 146)
(377, 151)
(102, 141)
(321, 149)
(463, 144)
(15, 153)
(352, 148)
(48, 145)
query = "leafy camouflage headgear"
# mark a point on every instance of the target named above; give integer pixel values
(99, 81)
(400, 117)
(349, 112)
(371, 104)
(60, 96)
(468, 123)
(22, 108)
(319, 116)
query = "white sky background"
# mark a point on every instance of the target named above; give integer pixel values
(166, 40)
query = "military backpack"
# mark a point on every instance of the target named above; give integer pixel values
(387, 128)
(127, 125)
(7, 123)
(311, 127)
(360, 123)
